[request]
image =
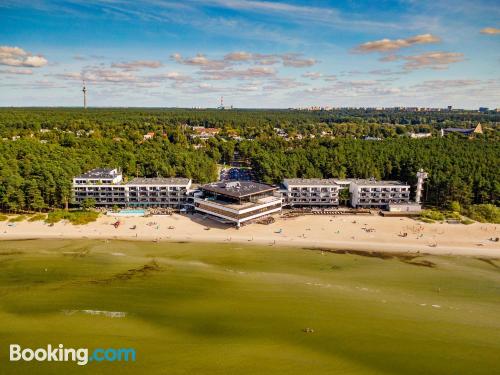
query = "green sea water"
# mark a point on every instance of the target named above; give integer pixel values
(194, 308)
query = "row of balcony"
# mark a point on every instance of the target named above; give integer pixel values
(326, 195)
(386, 195)
(323, 190)
(386, 190)
(299, 200)
(381, 201)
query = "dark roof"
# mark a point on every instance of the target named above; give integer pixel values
(459, 130)
(100, 173)
(238, 189)
(159, 181)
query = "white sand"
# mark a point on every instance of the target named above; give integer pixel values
(339, 232)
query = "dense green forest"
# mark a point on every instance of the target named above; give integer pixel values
(43, 148)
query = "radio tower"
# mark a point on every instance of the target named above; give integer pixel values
(84, 90)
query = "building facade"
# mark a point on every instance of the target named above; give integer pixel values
(237, 202)
(378, 194)
(107, 188)
(157, 192)
(310, 192)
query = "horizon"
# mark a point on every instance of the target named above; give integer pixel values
(255, 54)
(316, 108)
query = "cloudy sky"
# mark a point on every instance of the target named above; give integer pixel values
(254, 53)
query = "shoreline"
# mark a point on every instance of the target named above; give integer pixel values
(351, 232)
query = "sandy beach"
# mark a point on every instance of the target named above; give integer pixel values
(369, 233)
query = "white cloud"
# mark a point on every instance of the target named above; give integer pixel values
(312, 75)
(386, 45)
(443, 84)
(249, 73)
(490, 31)
(282, 84)
(17, 71)
(432, 60)
(15, 56)
(296, 61)
(138, 64)
(172, 76)
(201, 61)
(238, 56)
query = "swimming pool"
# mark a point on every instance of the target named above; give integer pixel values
(127, 212)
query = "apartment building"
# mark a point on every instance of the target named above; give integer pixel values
(157, 192)
(378, 194)
(104, 185)
(310, 192)
(107, 188)
(237, 202)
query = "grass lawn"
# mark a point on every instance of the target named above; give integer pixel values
(233, 309)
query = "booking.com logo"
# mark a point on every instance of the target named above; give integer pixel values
(61, 354)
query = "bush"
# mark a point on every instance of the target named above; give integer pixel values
(432, 215)
(467, 221)
(484, 213)
(455, 206)
(3, 217)
(37, 217)
(74, 217)
(453, 215)
(88, 203)
(17, 219)
(426, 220)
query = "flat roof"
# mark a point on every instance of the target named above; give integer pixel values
(370, 182)
(460, 130)
(238, 189)
(100, 173)
(310, 181)
(159, 181)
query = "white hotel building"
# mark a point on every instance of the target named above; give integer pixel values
(107, 187)
(310, 192)
(234, 202)
(378, 194)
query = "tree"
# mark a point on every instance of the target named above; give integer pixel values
(455, 206)
(34, 198)
(88, 203)
(344, 196)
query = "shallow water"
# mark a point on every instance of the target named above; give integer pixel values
(235, 309)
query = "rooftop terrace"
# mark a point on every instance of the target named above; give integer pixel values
(238, 189)
(373, 182)
(179, 181)
(100, 173)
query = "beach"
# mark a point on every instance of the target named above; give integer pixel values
(350, 232)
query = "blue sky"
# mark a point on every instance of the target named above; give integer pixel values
(254, 53)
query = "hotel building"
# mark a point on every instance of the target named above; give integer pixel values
(107, 188)
(378, 194)
(237, 202)
(310, 192)
(158, 192)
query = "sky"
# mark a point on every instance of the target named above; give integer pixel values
(254, 54)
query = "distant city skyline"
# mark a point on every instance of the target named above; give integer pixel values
(257, 54)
